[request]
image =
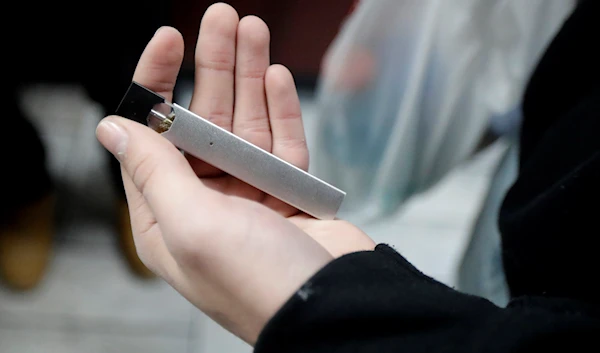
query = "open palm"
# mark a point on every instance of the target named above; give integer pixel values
(232, 250)
(238, 89)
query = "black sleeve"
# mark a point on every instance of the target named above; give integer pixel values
(549, 218)
(376, 301)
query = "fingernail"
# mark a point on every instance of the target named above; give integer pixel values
(113, 137)
(158, 30)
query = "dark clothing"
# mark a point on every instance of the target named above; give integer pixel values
(552, 210)
(378, 302)
(550, 227)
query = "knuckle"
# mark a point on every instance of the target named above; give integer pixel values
(292, 143)
(289, 116)
(221, 61)
(221, 118)
(161, 83)
(255, 125)
(251, 74)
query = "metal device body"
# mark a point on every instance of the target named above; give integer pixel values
(235, 156)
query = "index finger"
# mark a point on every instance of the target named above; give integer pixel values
(160, 62)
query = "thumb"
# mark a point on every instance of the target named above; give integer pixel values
(158, 170)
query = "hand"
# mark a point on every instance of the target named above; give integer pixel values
(234, 252)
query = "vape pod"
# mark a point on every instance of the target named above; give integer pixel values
(224, 150)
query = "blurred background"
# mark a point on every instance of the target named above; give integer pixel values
(411, 107)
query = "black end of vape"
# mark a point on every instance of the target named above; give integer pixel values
(138, 102)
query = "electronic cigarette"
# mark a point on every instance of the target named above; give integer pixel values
(231, 154)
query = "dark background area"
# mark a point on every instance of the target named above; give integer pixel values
(301, 30)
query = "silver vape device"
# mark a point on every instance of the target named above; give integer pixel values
(231, 154)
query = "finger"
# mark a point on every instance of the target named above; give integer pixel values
(289, 142)
(213, 94)
(250, 120)
(162, 176)
(157, 69)
(160, 62)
